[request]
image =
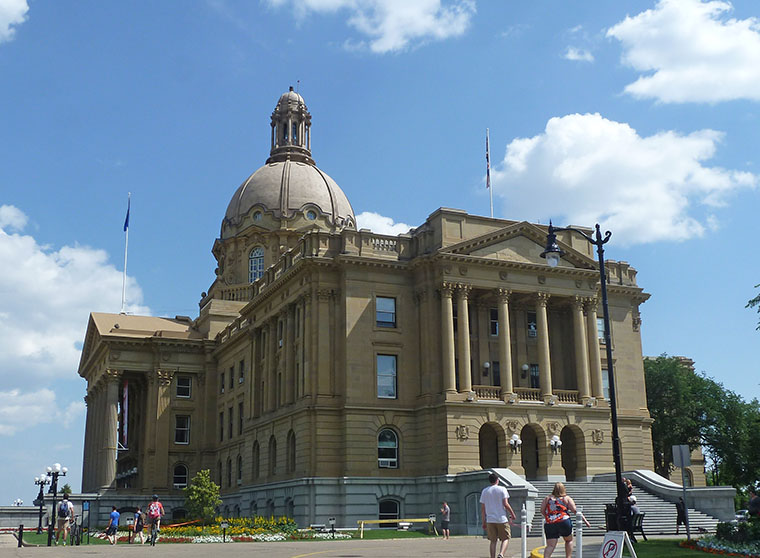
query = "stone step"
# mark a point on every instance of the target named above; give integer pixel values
(591, 497)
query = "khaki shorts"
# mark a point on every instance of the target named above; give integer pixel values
(63, 523)
(498, 531)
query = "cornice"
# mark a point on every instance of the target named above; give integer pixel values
(373, 262)
(523, 266)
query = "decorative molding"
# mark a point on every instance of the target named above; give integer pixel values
(111, 375)
(542, 298)
(553, 427)
(542, 279)
(447, 289)
(463, 290)
(503, 275)
(512, 426)
(597, 436)
(165, 377)
(463, 432)
(462, 270)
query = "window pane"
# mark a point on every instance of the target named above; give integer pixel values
(386, 386)
(532, 325)
(255, 264)
(182, 429)
(494, 321)
(183, 386)
(180, 476)
(606, 383)
(385, 309)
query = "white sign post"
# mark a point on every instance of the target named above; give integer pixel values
(612, 546)
(682, 459)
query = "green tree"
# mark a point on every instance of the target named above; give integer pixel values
(66, 489)
(755, 302)
(202, 496)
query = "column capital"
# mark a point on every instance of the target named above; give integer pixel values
(579, 302)
(503, 294)
(463, 290)
(164, 376)
(111, 375)
(542, 299)
(591, 303)
(447, 289)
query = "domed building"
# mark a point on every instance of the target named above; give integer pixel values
(337, 372)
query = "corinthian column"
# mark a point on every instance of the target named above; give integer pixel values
(447, 339)
(111, 420)
(544, 359)
(595, 357)
(463, 322)
(581, 349)
(505, 347)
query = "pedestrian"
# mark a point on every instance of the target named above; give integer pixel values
(634, 508)
(555, 508)
(139, 525)
(680, 514)
(494, 506)
(65, 515)
(445, 517)
(113, 525)
(754, 503)
(155, 513)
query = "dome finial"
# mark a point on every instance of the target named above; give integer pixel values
(291, 129)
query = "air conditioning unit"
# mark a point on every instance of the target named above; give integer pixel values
(386, 463)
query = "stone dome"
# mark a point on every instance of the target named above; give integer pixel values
(290, 183)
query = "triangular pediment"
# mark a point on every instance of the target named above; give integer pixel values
(519, 243)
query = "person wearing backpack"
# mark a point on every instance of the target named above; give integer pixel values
(65, 515)
(155, 513)
(139, 524)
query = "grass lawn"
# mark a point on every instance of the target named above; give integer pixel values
(664, 548)
(41, 539)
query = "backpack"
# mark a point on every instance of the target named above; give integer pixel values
(63, 509)
(154, 510)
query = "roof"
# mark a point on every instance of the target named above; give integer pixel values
(125, 325)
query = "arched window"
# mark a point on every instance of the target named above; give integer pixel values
(291, 462)
(229, 472)
(180, 476)
(387, 449)
(240, 469)
(255, 460)
(289, 508)
(254, 509)
(237, 510)
(219, 473)
(388, 509)
(255, 264)
(270, 508)
(272, 455)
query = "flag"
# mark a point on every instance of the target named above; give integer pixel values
(488, 162)
(126, 221)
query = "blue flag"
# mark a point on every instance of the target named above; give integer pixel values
(126, 221)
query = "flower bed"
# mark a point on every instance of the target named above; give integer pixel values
(714, 545)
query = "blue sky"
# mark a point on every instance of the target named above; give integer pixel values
(641, 115)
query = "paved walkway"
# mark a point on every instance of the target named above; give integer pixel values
(457, 547)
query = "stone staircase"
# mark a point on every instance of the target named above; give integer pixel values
(660, 518)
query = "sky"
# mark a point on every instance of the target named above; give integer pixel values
(642, 116)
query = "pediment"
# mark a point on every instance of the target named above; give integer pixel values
(519, 243)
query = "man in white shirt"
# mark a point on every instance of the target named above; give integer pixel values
(494, 505)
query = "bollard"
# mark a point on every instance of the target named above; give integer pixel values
(579, 531)
(543, 531)
(20, 535)
(524, 531)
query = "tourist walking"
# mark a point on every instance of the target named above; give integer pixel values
(680, 514)
(494, 506)
(65, 515)
(445, 517)
(139, 525)
(113, 525)
(556, 509)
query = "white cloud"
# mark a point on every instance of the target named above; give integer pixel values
(12, 13)
(47, 295)
(380, 224)
(393, 25)
(578, 54)
(587, 169)
(692, 52)
(20, 411)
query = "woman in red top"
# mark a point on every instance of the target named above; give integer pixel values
(556, 509)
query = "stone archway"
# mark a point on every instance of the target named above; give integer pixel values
(573, 453)
(491, 446)
(534, 458)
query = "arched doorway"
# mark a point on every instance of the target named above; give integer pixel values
(491, 446)
(573, 453)
(534, 458)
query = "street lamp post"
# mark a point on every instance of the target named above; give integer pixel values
(54, 472)
(42, 480)
(552, 253)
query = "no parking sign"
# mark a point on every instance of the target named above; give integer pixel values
(612, 547)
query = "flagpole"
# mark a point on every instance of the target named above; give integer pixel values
(488, 170)
(126, 248)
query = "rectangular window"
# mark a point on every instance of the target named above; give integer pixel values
(232, 377)
(221, 383)
(386, 376)
(496, 372)
(385, 311)
(494, 321)
(606, 383)
(600, 329)
(280, 329)
(221, 426)
(241, 375)
(535, 381)
(184, 384)
(229, 423)
(240, 418)
(532, 325)
(182, 429)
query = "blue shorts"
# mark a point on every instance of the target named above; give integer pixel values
(562, 528)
